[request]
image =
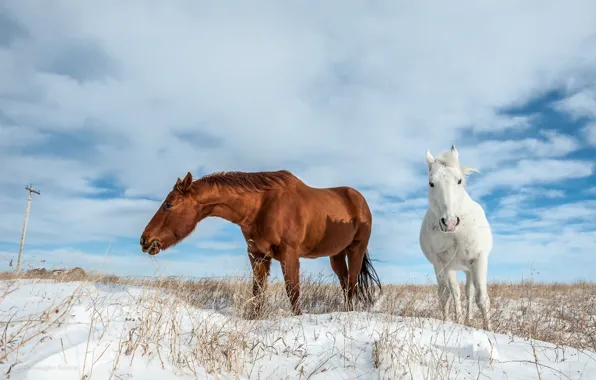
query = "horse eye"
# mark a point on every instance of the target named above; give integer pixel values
(167, 206)
(431, 184)
(459, 182)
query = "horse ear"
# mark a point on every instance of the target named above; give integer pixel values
(186, 182)
(454, 151)
(429, 158)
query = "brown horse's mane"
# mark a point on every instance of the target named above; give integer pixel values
(251, 181)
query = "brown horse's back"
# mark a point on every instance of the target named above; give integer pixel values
(319, 221)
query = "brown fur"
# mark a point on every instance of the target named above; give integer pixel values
(281, 218)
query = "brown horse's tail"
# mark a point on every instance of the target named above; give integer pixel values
(366, 279)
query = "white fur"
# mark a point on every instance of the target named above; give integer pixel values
(467, 247)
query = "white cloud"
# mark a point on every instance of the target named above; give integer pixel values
(315, 91)
(590, 133)
(85, 219)
(76, 220)
(580, 104)
(492, 154)
(563, 232)
(350, 94)
(222, 245)
(51, 172)
(510, 206)
(500, 123)
(527, 172)
(13, 136)
(542, 248)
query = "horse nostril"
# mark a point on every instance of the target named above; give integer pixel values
(457, 224)
(443, 221)
(143, 241)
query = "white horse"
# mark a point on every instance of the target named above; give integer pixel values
(455, 235)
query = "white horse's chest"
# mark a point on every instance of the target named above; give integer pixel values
(456, 250)
(460, 244)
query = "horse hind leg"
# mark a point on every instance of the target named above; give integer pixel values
(361, 275)
(469, 297)
(340, 268)
(290, 267)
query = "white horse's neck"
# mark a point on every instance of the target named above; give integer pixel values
(468, 207)
(467, 201)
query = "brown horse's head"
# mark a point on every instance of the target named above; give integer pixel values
(175, 219)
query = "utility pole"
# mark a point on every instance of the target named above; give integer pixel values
(31, 190)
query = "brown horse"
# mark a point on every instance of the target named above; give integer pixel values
(281, 218)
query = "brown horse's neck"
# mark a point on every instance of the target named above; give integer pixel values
(239, 209)
(236, 207)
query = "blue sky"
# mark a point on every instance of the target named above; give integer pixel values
(103, 107)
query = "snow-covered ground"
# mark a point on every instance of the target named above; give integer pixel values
(95, 331)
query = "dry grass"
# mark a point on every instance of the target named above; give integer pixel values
(560, 313)
(563, 314)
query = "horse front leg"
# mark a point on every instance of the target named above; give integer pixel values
(261, 265)
(442, 292)
(290, 266)
(451, 280)
(479, 274)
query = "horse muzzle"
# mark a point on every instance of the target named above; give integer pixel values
(449, 225)
(153, 248)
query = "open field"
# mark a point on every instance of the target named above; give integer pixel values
(91, 326)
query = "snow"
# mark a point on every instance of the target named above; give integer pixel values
(69, 330)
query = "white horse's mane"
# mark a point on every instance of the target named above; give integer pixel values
(451, 160)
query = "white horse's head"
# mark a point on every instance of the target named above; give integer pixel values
(446, 188)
